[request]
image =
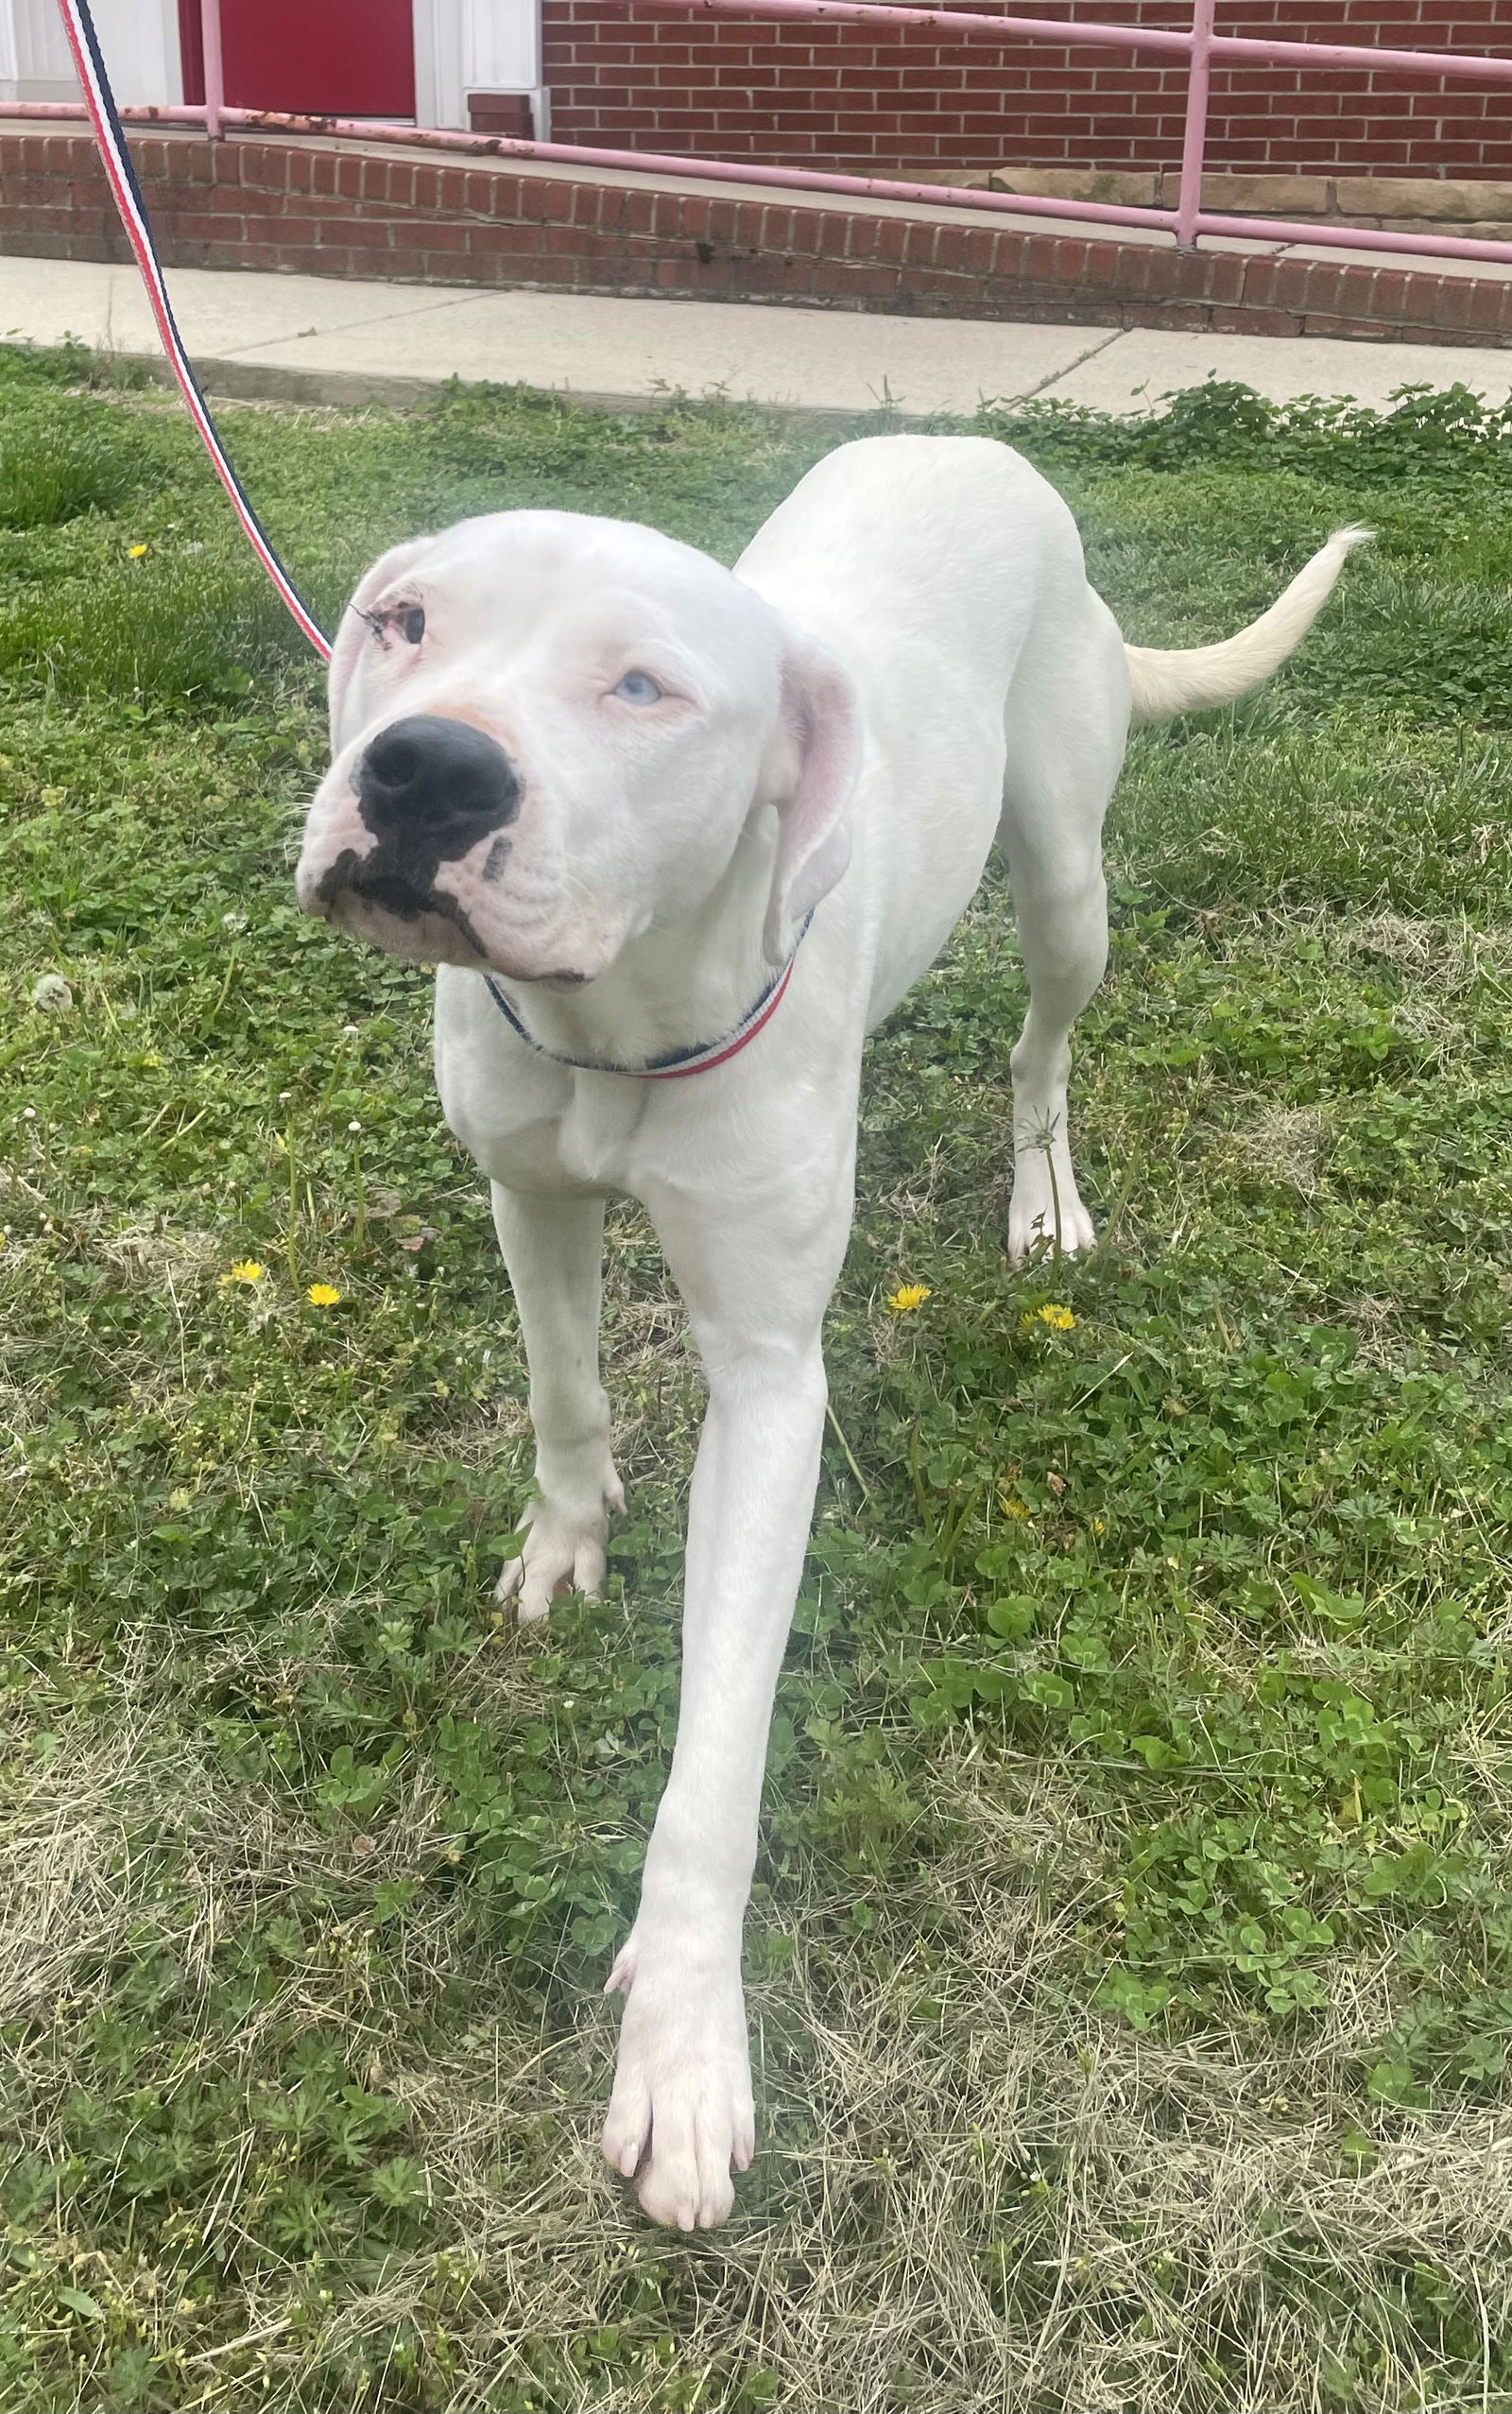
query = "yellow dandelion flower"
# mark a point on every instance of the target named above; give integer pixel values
(134, 552)
(905, 1300)
(247, 1272)
(1011, 1506)
(322, 1295)
(1059, 1319)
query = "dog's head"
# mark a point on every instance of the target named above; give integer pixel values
(548, 732)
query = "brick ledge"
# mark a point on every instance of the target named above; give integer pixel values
(312, 206)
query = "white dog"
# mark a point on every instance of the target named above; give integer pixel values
(679, 838)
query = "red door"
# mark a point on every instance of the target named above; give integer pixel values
(331, 58)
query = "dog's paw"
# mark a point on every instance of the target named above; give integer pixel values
(562, 1552)
(680, 2117)
(1044, 1219)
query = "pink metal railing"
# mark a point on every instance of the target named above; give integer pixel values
(1200, 44)
(214, 69)
(1194, 133)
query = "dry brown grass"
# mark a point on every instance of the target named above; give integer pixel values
(973, 2193)
(1283, 1145)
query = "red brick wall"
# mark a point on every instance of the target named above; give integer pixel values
(461, 219)
(869, 99)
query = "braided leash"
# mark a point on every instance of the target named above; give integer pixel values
(100, 101)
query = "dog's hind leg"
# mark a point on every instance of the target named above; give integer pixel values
(1064, 754)
(554, 1248)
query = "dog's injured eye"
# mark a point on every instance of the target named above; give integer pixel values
(409, 619)
(639, 687)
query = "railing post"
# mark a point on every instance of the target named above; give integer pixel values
(1194, 140)
(214, 72)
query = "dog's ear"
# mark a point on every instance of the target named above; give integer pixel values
(819, 757)
(354, 631)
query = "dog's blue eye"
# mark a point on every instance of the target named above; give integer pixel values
(639, 687)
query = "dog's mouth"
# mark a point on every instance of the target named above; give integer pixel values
(373, 901)
(388, 913)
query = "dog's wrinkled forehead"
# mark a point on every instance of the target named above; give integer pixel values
(497, 585)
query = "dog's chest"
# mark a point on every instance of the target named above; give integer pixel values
(594, 1143)
(536, 1127)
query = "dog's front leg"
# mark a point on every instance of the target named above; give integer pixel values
(682, 2112)
(554, 1250)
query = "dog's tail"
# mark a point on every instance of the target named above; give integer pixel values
(1178, 680)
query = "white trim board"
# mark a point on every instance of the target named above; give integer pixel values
(465, 47)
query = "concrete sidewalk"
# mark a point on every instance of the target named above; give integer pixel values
(338, 340)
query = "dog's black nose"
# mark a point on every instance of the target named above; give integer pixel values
(439, 784)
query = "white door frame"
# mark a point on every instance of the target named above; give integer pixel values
(34, 60)
(465, 47)
(140, 38)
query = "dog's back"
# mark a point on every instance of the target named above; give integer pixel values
(931, 564)
(899, 549)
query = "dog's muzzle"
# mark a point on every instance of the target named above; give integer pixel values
(429, 791)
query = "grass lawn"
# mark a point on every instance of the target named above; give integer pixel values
(1131, 1964)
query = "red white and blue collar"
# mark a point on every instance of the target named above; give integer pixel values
(678, 1062)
